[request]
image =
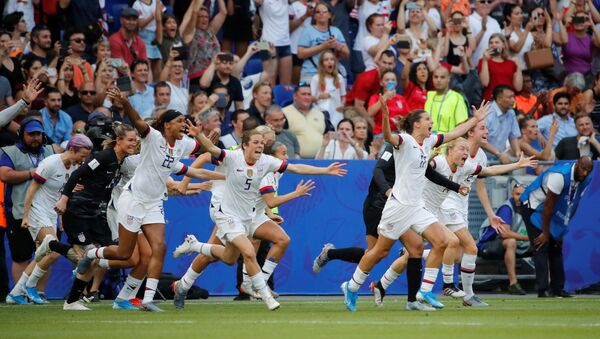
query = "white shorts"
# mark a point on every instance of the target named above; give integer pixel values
(211, 212)
(132, 213)
(259, 219)
(229, 227)
(113, 223)
(397, 218)
(454, 219)
(37, 222)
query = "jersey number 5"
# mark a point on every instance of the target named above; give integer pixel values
(248, 183)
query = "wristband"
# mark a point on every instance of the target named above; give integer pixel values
(25, 101)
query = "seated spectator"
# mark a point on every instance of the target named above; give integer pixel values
(66, 84)
(415, 81)
(221, 106)
(591, 102)
(578, 45)
(341, 145)
(446, 106)
(510, 243)
(15, 27)
(126, 43)
(262, 97)
(526, 103)
(532, 143)
(211, 126)
(41, 45)
(57, 123)
(521, 39)
(482, 27)
(10, 67)
(503, 126)
(574, 84)
(6, 98)
(496, 69)
(219, 72)
(199, 102)
(329, 88)
(142, 95)
(174, 72)
(101, 50)
(306, 122)
(275, 119)
(104, 79)
(162, 95)
(82, 70)
(237, 122)
(565, 122)
(397, 106)
(33, 69)
(86, 105)
(585, 143)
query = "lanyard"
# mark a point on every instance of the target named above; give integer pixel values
(440, 110)
(35, 160)
(572, 192)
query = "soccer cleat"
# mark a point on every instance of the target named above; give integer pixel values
(418, 306)
(75, 306)
(321, 260)
(137, 302)
(561, 294)
(378, 293)
(474, 301)
(44, 247)
(248, 290)
(83, 265)
(121, 304)
(516, 289)
(186, 246)
(453, 292)
(92, 297)
(271, 303)
(33, 295)
(16, 299)
(178, 296)
(430, 298)
(43, 297)
(349, 297)
(150, 307)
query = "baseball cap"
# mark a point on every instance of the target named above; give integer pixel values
(128, 11)
(33, 126)
(94, 117)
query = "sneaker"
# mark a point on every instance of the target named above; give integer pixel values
(150, 307)
(321, 260)
(186, 246)
(122, 304)
(16, 299)
(92, 297)
(378, 293)
(453, 292)
(178, 296)
(561, 294)
(516, 289)
(349, 297)
(83, 265)
(33, 295)
(272, 304)
(430, 298)
(249, 291)
(75, 306)
(474, 301)
(418, 306)
(44, 247)
(137, 302)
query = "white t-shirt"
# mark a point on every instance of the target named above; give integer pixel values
(296, 10)
(368, 42)
(458, 202)
(364, 11)
(269, 184)
(526, 48)
(248, 83)
(553, 182)
(244, 181)
(145, 11)
(276, 22)
(334, 152)
(410, 161)
(126, 171)
(158, 160)
(179, 98)
(52, 174)
(336, 100)
(433, 194)
(492, 27)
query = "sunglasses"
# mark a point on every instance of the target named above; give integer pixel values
(88, 92)
(303, 84)
(489, 2)
(78, 40)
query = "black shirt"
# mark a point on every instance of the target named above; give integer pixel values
(567, 149)
(77, 113)
(234, 88)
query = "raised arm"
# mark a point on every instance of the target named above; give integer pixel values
(336, 169)
(462, 129)
(302, 189)
(238, 69)
(200, 161)
(203, 140)
(393, 139)
(140, 125)
(217, 22)
(187, 29)
(31, 92)
(502, 169)
(204, 174)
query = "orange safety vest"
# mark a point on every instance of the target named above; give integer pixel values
(2, 215)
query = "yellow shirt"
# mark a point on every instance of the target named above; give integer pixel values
(308, 129)
(446, 110)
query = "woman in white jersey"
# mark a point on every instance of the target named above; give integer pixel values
(140, 206)
(39, 216)
(405, 208)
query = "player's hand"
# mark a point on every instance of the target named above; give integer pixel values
(61, 205)
(541, 240)
(32, 90)
(464, 190)
(182, 187)
(115, 95)
(25, 222)
(78, 188)
(527, 161)
(304, 188)
(498, 224)
(277, 219)
(192, 129)
(214, 135)
(337, 169)
(483, 110)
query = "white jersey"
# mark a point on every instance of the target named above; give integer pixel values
(410, 160)
(269, 184)
(52, 175)
(126, 171)
(458, 202)
(243, 182)
(158, 160)
(218, 186)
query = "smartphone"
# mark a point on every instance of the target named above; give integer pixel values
(457, 21)
(391, 86)
(52, 72)
(578, 20)
(124, 84)
(182, 53)
(116, 62)
(412, 5)
(495, 52)
(403, 41)
(262, 45)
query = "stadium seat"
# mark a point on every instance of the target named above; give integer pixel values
(253, 66)
(283, 95)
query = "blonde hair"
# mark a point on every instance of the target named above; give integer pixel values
(504, 42)
(452, 144)
(323, 74)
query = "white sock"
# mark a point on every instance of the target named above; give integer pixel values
(103, 263)
(429, 279)
(260, 285)
(448, 273)
(426, 254)
(188, 279)
(388, 278)
(467, 273)
(135, 291)
(36, 275)
(358, 278)
(268, 268)
(203, 248)
(245, 277)
(95, 253)
(18, 288)
(129, 286)
(151, 285)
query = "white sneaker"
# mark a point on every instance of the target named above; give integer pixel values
(76, 306)
(247, 288)
(186, 246)
(44, 247)
(271, 303)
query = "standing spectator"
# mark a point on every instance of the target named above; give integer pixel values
(237, 28)
(276, 120)
(274, 15)
(544, 37)
(447, 107)
(396, 104)
(483, 26)
(147, 30)
(503, 126)
(341, 144)
(584, 144)
(561, 114)
(574, 84)
(532, 143)
(179, 94)
(10, 67)
(104, 79)
(376, 39)
(85, 14)
(306, 122)
(420, 25)
(365, 9)
(550, 203)
(328, 87)
(592, 102)
(459, 35)
(340, 11)
(57, 123)
(85, 106)
(41, 45)
(101, 50)
(262, 97)
(82, 70)
(162, 95)
(25, 7)
(65, 83)
(520, 39)
(415, 81)
(169, 33)
(16, 28)
(496, 69)
(237, 122)
(300, 13)
(126, 43)
(142, 95)
(219, 72)
(578, 45)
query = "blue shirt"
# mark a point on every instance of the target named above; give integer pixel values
(489, 233)
(64, 126)
(143, 102)
(502, 127)
(312, 37)
(566, 128)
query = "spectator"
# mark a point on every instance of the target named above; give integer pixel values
(200, 102)
(82, 14)
(275, 119)
(248, 82)
(126, 43)
(574, 84)
(414, 82)
(147, 30)
(10, 68)
(162, 95)
(142, 95)
(544, 37)
(66, 85)
(25, 7)
(578, 45)
(237, 122)
(365, 9)
(447, 107)
(503, 126)
(300, 13)
(340, 12)
(101, 50)
(420, 25)
(219, 72)
(174, 72)
(306, 122)
(16, 28)
(526, 102)
(510, 243)
(221, 94)
(449, 7)
(168, 33)
(397, 106)
(496, 69)
(32, 69)
(591, 102)
(274, 15)
(41, 45)
(86, 104)
(262, 97)
(82, 70)
(329, 88)
(584, 144)
(57, 123)
(483, 26)
(459, 35)
(532, 143)
(211, 126)
(565, 122)
(237, 28)
(376, 39)
(104, 79)
(520, 39)
(341, 145)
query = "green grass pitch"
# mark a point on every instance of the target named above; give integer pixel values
(311, 318)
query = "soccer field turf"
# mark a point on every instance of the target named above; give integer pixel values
(314, 318)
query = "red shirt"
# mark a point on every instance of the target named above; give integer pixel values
(365, 85)
(396, 105)
(501, 73)
(415, 96)
(120, 48)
